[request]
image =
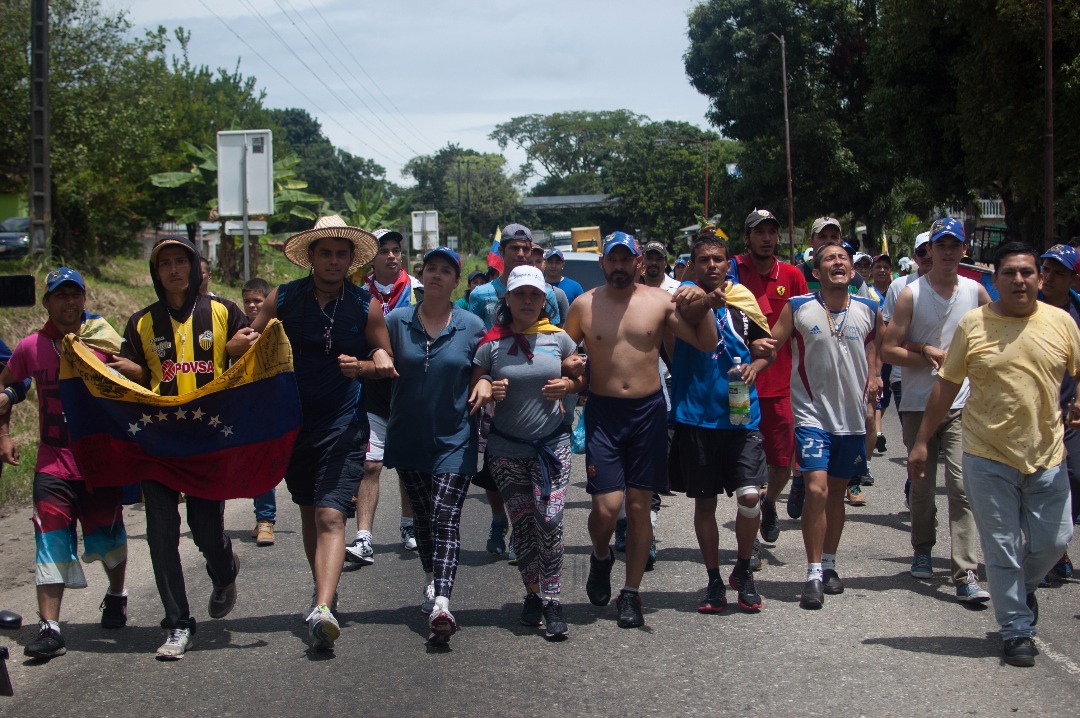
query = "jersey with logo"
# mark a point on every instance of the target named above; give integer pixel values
(829, 371)
(182, 356)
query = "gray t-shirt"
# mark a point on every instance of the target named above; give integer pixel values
(525, 413)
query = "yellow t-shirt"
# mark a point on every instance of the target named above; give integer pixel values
(1015, 367)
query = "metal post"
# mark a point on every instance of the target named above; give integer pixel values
(707, 215)
(243, 179)
(787, 141)
(461, 237)
(1048, 41)
(40, 164)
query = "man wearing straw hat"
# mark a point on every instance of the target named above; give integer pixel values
(338, 337)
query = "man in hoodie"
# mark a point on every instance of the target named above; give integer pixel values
(179, 343)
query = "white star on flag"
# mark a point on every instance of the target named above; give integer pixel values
(147, 419)
(134, 429)
(197, 414)
(214, 421)
(227, 430)
(162, 416)
(181, 414)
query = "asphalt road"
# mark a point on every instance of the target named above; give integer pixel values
(889, 646)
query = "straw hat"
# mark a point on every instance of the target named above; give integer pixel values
(332, 225)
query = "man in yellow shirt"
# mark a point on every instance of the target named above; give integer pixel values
(1013, 352)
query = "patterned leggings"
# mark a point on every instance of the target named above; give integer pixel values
(436, 501)
(538, 526)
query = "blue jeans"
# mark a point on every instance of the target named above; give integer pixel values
(1024, 527)
(266, 507)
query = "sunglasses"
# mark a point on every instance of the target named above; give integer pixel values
(922, 251)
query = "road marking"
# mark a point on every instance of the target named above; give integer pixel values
(1053, 655)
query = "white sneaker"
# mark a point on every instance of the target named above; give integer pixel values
(442, 625)
(408, 537)
(360, 551)
(176, 644)
(323, 628)
(429, 599)
(311, 609)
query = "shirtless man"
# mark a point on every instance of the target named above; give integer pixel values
(623, 324)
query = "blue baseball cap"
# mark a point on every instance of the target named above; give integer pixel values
(620, 239)
(446, 253)
(554, 253)
(1063, 253)
(62, 275)
(947, 227)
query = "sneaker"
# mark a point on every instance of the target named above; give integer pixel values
(749, 598)
(429, 599)
(907, 494)
(715, 597)
(970, 591)
(1020, 651)
(223, 599)
(511, 552)
(1033, 606)
(264, 533)
(629, 606)
(755, 557)
(442, 625)
(866, 479)
(48, 644)
(880, 443)
(532, 612)
(113, 611)
(831, 583)
(620, 535)
(598, 585)
(796, 494)
(496, 543)
(855, 496)
(360, 551)
(323, 628)
(922, 566)
(1063, 570)
(408, 537)
(651, 561)
(176, 644)
(311, 609)
(813, 595)
(770, 523)
(554, 625)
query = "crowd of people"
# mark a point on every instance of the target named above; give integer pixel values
(735, 375)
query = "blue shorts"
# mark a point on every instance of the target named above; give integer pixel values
(327, 465)
(626, 443)
(840, 456)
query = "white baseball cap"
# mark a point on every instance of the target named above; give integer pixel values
(526, 276)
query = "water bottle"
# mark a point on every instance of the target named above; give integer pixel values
(738, 395)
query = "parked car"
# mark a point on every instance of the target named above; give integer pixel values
(583, 268)
(14, 237)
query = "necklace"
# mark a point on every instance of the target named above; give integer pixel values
(428, 338)
(837, 330)
(328, 339)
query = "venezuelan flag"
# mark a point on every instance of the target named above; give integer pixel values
(984, 277)
(229, 439)
(494, 258)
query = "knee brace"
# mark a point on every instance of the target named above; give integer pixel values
(748, 511)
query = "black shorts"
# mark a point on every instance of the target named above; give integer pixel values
(703, 462)
(626, 443)
(327, 465)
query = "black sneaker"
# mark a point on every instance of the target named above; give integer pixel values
(48, 644)
(650, 562)
(749, 598)
(555, 626)
(813, 595)
(598, 585)
(770, 527)
(1020, 651)
(113, 611)
(1033, 604)
(223, 599)
(629, 605)
(532, 612)
(715, 597)
(832, 585)
(796, 495)
(880, 444)
(866, 479)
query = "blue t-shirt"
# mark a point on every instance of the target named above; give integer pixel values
(20, 387)
(573, 289)
(328, 398)
(484, 300)
(699, 380)
(430, 429)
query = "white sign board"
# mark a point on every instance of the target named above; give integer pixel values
(245, 172)
(425, 230)
(234, 227)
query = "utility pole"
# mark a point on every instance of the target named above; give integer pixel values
(1048, 179)
(40, 170)
(461, 237)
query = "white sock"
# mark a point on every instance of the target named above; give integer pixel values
(549, 597)
(123, 592)
(442, 603)
(55, 625)
(813, 571)
(363, 535)
(828, 562)
(653, 516)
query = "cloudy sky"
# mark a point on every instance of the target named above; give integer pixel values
(391, 80)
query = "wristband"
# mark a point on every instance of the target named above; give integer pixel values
(11, 395)
(488, 377)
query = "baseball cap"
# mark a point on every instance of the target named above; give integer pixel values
(884, 257)
(808, 254)
(386, 235)
(921, 238)
(655, 247)
(526, 276)
(758, 216)
(164, 242)
(477, 273)
(620, 239)
(947, 227)
(849, 247)
(62, 275)
(445, 252)
(1063, 253)
(822, 222)
(680, 261)
(554, 253)
(516, 231)
(860, 256)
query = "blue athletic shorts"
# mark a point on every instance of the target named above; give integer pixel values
(841, 456)
(626, 443)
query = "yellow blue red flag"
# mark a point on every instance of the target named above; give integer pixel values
(229, 439)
